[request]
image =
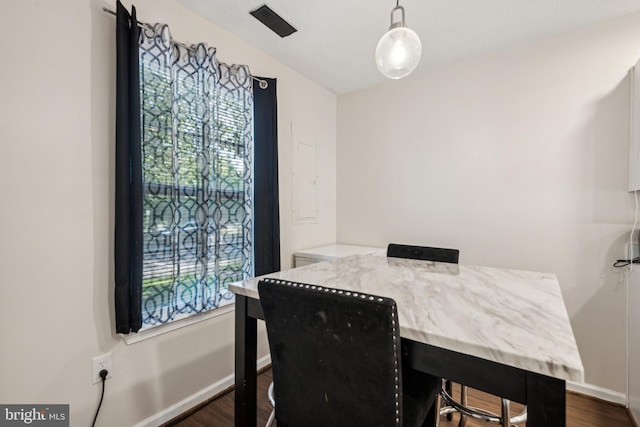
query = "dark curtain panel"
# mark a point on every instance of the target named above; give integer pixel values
(266, 202)
(128, 200)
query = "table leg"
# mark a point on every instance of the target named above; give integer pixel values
(546, 401)
(245, 365)
(433, 415)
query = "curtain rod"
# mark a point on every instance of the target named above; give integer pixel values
(263, 83)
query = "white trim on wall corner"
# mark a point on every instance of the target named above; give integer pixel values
(598, 392)
(195, 399)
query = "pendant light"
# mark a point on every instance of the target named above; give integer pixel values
(399, 50)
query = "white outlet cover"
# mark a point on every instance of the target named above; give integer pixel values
(100, 363)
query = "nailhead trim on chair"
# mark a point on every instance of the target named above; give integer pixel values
(361, 296)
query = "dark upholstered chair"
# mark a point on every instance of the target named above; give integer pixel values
(427, 253)
(336, 360)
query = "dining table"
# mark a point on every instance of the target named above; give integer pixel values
(502, 331)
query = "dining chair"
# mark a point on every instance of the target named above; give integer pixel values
(425, 253)
(337, 360)
(428, 253)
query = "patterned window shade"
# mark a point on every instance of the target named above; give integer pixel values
(197, 125)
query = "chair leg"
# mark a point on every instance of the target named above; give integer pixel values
(272, 416)
(272, 400)
(448, 387)
(437, 405)
(462, 407)
(506, 413)
(463, 402)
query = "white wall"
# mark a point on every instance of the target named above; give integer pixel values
(56, 182)
(519, 159)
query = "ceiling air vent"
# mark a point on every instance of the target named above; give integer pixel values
(272, 20)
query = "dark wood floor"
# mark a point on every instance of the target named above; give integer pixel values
(582, 411)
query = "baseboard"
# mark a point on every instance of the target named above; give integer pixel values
(221, 385)
(195, 399)
(634, 408)
(598, 392)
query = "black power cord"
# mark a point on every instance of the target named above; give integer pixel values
(103, 375)
(626, 262)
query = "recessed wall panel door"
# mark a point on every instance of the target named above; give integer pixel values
(304, 176)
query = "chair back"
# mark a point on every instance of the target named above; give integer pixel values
(425, 253)
(336, 356)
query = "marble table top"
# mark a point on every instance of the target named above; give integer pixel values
(516, 318)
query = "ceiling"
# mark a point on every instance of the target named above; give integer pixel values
(336, 39)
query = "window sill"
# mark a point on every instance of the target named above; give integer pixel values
(145, 334)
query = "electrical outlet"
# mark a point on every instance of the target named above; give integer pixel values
(633, 250)
(100, 363)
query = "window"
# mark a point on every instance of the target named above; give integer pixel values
(197, 162)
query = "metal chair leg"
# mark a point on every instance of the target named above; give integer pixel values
(272, 400)
(272, 417)
(463, 402)
(438, 406)
(504, 419)
(506, 413)
(448, 386)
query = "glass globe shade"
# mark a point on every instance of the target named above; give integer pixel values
(398, 52)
